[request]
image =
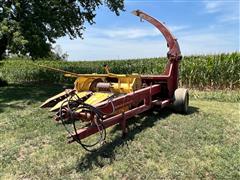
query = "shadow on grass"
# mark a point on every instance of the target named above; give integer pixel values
(192, 110)
(26, 93)
(136, 125)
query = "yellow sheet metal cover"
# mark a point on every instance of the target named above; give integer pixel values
(64, 93)
(98, 97)
(75, 97)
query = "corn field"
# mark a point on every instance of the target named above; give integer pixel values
(210, 71)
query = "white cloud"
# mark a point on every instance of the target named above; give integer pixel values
(131, 32)
(94, 48)
(117, 43)
(213, 6)
(191, 42)
(227, 11)
(207, 43)
(230, 17)
(177, 28)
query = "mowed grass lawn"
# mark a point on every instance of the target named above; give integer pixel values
(160, 144)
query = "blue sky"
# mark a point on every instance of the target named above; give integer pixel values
(201, 27)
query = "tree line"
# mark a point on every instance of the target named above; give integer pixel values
(30, 27)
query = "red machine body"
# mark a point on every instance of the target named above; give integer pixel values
(152, 90)
(158, 90)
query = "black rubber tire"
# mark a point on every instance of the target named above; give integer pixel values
(181, 100)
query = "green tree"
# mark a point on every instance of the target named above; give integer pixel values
(31, 26)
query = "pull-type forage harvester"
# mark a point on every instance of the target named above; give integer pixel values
(99, 101)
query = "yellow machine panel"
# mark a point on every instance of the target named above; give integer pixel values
(53, 100)
(86, 83)
(95, 87)
(122, 83)
(74, 98)
(98, 97)
(126, 85)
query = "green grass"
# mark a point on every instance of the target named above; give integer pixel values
(160, 144)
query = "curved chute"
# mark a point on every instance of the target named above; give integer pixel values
(174, 50)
